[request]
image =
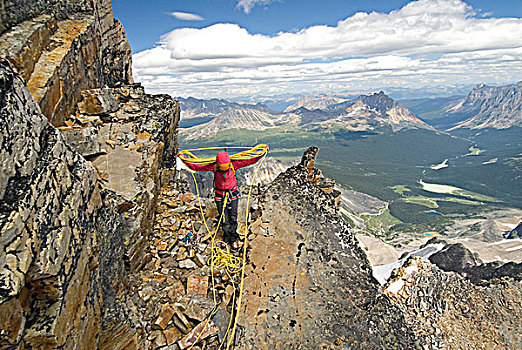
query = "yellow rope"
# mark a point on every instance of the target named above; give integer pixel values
(219, 258)
(245, 239)
(256, 151)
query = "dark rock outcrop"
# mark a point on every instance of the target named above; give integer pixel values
(308, 284)
(514, 233)
(453, 257)
(457, 258)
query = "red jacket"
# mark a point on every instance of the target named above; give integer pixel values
(224, 180)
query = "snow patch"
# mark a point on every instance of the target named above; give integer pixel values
(491, 161)
(411, 269)
(442, 165)
(395, 286)
(510, 226)
(383, 272)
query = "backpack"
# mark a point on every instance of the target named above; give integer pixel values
(216, 169)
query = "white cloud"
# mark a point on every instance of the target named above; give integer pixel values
(425, 42)
(184, 16)
(247, 5)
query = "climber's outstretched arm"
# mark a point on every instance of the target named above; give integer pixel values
(246, 162)
(196, 167)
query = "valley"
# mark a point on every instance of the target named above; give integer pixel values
(423, 180)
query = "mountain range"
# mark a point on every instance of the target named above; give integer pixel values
(484, 107)
(205, 118)
(495, 107)
(490, 107)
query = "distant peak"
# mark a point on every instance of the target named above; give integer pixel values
(491, 107)
(378, 95)
(379, 99)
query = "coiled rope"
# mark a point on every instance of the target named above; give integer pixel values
(256, 151)
(222, 258)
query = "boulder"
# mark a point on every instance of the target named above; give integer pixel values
(221, 319)
(197, 284)
(172, 335)
(454, 257)
(164, 317)
(83, 140)
(197, 307)
(98, 101)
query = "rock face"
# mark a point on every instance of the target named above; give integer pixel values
(77, 201)
(50, 197)
(446, 310)
(491, 107)
(62, 47)
(72, 230)
(308, 284)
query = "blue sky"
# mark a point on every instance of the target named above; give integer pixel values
(230, 48)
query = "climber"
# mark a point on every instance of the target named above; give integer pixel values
(225, 184)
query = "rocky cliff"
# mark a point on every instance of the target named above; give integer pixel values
(77, 201)
(309, 285)
(49, 292)
(62, 47)
(72, 230)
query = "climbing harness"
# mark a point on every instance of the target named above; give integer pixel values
(223, 259)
